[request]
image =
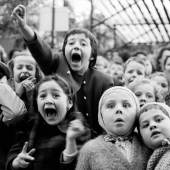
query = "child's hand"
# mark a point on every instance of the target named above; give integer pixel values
(19, 15)
(26, 85)
(75, 129)
(24, 158)
(29, 83)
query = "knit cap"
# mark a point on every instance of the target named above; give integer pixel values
(4, 70)
(155, 105)
(115, 89)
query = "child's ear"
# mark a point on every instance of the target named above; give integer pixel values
(69, 104)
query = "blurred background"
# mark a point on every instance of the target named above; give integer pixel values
(121, 26)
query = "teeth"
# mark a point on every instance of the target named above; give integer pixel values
(50, 111)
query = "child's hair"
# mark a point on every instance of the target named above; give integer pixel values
(158, 64)
(132, 86)
(93, 42)
(158, 73)
(38, 73)
(136, 59)
(164, 62)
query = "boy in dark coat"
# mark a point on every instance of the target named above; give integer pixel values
(76, 64)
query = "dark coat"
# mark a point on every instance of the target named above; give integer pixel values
(88, 88)
(48, 141)
(7, 136)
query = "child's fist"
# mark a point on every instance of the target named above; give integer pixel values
(75, 129)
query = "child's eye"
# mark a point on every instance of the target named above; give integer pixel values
(138, 94)
(130, 71)
(144, 125)
(42, 96)
(29, 68)
(158, 119)
(126, 105)
(83, 44)
(70, 43)
(163, 85)
(56, 95)
(111, 105)
(19, 67)
(149, 96)
(139, 72)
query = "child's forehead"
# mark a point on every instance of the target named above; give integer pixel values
(78, 35)
(153, 110)
(147, 85)
(24, 59)
(50, 84)
(118, 96)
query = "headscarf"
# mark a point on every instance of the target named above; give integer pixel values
(116, 89)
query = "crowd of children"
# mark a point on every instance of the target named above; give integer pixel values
(75, 110)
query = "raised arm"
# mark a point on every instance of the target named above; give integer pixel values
(19, 17)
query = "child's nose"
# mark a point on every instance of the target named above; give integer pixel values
(49, 100)
(119, 109)
(24, 69)
(152, 125)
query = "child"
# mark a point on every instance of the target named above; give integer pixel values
(161, 84)
(11, 106)
(75, 64)
(145, 90)
(25, 74)
(40, 143)
(154, 127)
(102, 64)
(134, 69)
(119, 147)
(116, 71)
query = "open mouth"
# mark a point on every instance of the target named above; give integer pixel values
(50, 112)
(76, 57)
(24, 76)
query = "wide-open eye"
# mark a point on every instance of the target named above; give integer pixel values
(126, 104)
(138, 94)
(158, 119)
(110, 105)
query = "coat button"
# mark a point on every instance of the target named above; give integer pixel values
(68, 72)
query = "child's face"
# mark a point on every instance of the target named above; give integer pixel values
(102, 65)
(116, 71)
(24, 67)
(162, 85)
(78, 52)
(52, 102)
(154, 127)
(133, 71)
(119, 113)
(145, 93)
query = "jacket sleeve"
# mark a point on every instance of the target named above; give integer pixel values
(43, 55)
